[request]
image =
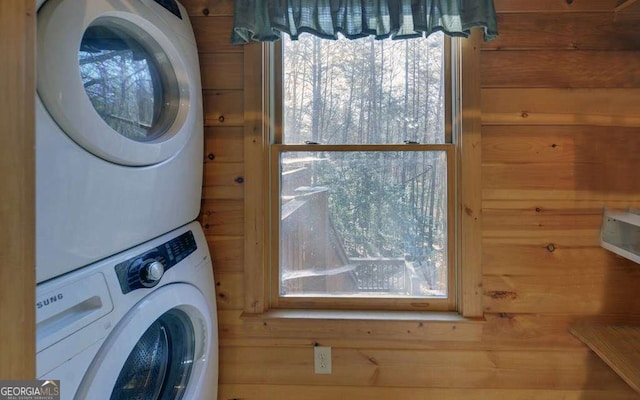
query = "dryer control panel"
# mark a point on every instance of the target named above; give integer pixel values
(171, 6)
(146, 269)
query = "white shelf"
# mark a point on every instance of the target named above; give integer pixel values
(620, 233)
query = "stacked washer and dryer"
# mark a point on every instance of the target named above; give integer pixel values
(125, 304)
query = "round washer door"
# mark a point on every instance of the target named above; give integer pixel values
(160, 350)
(116, 78)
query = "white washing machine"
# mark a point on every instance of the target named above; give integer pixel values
(119, 128)
(138, 325)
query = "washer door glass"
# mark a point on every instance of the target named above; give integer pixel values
(120, 80)
(160, 363)
(128, 78)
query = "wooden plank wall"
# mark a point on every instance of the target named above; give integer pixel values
(17, 199)
(561, 140)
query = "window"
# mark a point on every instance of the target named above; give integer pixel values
(264, 148)
(361, 169)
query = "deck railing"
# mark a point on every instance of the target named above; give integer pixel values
(381, 275)
(312, 256)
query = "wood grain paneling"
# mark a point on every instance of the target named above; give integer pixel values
(424, 368)
(628, 11)
(547, 202)
(323, 392)
(212, 8)
(565, 31)
(223, 144)
(226, 252)
(533, 106)
(507, 219)
(559, 142)
(223, 174)
(567, 69)
(586, 176)
(222, 217)
(17, 199)
(563, 6)
(223, 192)
(255, 130)
(228, 290)
(500, 332)
(223, 108)
(617, 200)
(213, 34)
(469, 207)
(221, 71)
(584, 294)
(223, 181)
(535, 257)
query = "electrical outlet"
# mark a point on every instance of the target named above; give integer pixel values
(322, 359)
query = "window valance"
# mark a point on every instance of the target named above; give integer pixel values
(266, 20)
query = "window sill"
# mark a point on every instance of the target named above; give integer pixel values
(361, 315)
(390, 329)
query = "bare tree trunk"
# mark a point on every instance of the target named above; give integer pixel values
(293, 67)
(303, 91)
(349, 116)
(406, 91)
(316, 72)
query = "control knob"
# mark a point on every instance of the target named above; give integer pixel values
(151, 272)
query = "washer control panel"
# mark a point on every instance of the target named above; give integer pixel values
(146, 269)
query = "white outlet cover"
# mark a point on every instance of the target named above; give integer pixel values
(322, 359)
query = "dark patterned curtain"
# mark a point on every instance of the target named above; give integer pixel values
(266, 20)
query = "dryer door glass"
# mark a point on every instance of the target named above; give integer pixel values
(159, 365)
(128, 78)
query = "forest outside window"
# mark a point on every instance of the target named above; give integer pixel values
(363, 171)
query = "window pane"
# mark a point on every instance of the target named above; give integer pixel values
(363, 91)
(363, 224)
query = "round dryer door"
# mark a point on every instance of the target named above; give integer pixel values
(160, 350)
(116, 77)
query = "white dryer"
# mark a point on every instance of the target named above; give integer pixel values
(119, 128)
(139, 325)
